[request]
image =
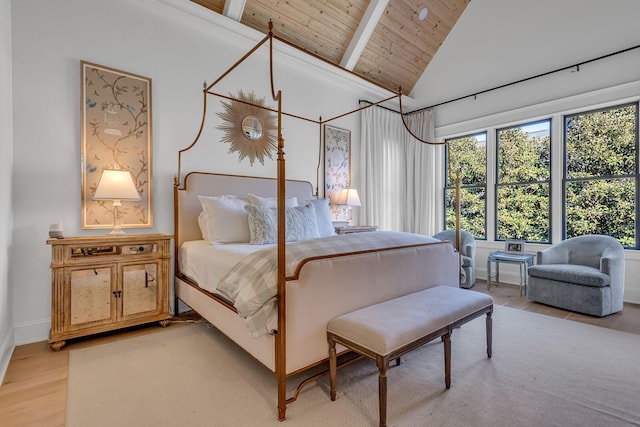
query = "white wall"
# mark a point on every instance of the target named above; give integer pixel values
(500, 41)
(6, 160)
(179, 45)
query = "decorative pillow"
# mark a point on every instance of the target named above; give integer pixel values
(325, 226)
(271, 202)
(202, 223)
(225, 219)
(301, 224)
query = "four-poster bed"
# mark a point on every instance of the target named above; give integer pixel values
(312, 290)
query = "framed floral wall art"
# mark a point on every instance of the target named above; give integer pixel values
(115, 134)
(337, 167)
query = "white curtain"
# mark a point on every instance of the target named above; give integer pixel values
(402, 178)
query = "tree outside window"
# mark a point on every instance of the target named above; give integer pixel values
(467, 158)
(601, 173)
(523, 182)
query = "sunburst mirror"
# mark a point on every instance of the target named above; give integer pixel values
(249, 129)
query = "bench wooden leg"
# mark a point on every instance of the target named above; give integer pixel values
(383, 362)
(447, 360)
(332, 367)
(489, 334)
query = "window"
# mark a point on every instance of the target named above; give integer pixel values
(523, 182)
(468, 156)
(601, 173)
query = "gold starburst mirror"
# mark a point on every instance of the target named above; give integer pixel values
(249, 127)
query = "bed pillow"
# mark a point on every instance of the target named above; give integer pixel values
(202, 223)
(325, 226)
(225, 219)
(301, 224)
(271, 202)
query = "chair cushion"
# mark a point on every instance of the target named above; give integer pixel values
(466, 261)
(571, 273)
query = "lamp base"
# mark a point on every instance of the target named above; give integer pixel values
(117, 231)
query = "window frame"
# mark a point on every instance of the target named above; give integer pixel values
(636, 175)
(452, 187)
(548, 182)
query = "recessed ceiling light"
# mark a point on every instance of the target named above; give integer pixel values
(422, 13)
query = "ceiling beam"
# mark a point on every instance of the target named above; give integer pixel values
(233, 9)
(368, 23)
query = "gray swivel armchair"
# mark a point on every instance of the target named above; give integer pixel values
(467, 254)
(583, 274)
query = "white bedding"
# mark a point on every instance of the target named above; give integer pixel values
(246, 275)
(206, 264)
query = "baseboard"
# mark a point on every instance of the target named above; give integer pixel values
(505, 277)
(632, 296)
(30, 332)
(7, 345)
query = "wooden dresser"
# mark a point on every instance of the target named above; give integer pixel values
(102, 283)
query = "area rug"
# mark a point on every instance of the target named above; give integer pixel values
(544, 371)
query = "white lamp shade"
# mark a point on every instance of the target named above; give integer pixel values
(116, 185)
(348, 197)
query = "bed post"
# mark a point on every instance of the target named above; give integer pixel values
(281, 336)
(176, 239)
(458, 210)
(458, 241)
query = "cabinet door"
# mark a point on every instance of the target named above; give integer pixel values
(89, 297)
(140, 294)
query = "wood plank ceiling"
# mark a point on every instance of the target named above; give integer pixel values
(383, 41)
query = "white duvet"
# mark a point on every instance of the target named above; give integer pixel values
(249, 280)
(206, 264)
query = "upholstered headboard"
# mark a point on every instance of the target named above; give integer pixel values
(187, 206)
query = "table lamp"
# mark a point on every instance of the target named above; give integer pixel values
(348, 197)
(116, 185)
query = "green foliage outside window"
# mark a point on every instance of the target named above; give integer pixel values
(467, 159)
(601, 176)
(523, 184)
(523, 212)
(472, 210)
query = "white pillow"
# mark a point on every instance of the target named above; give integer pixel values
(271, 202)
(301, 224)
(225, 219)
(202, 223)
(325, 226)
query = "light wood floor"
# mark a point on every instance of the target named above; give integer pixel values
(34, 390)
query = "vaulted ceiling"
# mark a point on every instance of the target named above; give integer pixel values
(383, 41)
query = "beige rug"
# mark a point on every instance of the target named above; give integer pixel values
(544, 372)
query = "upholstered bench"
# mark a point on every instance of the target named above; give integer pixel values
(388, 330)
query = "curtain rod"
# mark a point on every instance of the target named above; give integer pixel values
(386, 108)
(576, 66)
